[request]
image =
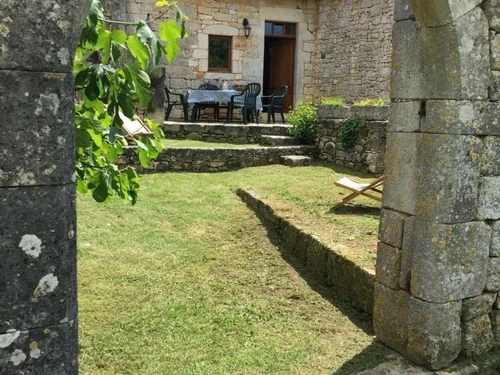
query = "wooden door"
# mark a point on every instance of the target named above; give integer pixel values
(279, 67)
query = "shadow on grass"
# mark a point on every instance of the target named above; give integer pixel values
(356, 210)
(370, 357)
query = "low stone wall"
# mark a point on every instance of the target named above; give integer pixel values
(227, 133)
(214, 159)
(368, 153)
(347, 279)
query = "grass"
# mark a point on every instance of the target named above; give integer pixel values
(333, 101)
(189, 281)
(181, 143)
(370, 102)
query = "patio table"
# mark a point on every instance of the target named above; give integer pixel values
(221, 96)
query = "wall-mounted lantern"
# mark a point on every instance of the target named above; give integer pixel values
(246, 28)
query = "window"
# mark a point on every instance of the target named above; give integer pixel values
(280, 28)
(219, 53)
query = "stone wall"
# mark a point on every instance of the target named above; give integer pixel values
(368, 153)
(438, 262)
(354, 48)
(342, 49)
(213, 159)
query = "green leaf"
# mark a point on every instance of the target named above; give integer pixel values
(104, 45)
(119, 36)
(82, 139)
(143, 158)
(170, 33)
(140, 81)
(139, 50)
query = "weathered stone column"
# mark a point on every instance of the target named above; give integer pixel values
(437, 267)
(38, 314)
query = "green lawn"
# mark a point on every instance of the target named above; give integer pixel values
(189, 281)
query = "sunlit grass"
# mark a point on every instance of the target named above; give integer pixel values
(189, 281)
(180, 143)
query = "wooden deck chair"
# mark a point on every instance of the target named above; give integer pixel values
(370, 190)
(134, 128)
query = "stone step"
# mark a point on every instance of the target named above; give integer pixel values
(221, 132)
(295, 160)
(278, 140)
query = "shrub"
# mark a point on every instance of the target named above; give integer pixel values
(349, 131)
(373, 102)
(335, 101)
(303, 120)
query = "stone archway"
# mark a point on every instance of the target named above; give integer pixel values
(437, 265)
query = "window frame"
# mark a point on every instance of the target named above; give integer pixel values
(230, 53)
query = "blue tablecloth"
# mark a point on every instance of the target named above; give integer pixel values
(221, 96)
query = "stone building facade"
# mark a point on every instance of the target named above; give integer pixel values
(342, 48)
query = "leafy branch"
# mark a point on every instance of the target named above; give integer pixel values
(108, 88)
(349, 131)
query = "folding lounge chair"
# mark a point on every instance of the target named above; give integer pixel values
(370, 190)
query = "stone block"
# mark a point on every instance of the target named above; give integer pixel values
(407, 253)
(477, 336)
(404, 117)
(403, 10)
(494, 88)
(448, 184)
(363, 281)
(390, 316)
(449, 260)
(316, 259)
(339, 273)
(495, 51)
(432, 13)
(295, 160)
(490, 154)
(489, 198)
(371, 113)
(45, 350)
(408, 65)
(461, 117)
(47, 121)
(49, 30)
(491, 9)
(434, 332)
(475, 307)
(493, 279)
(495, 325)
(38, 267)
(495, 239)
(332, 112)
(464, 45)
(401, 179)
(391, 228)
(388, 265)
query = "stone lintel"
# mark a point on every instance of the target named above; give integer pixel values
(448, 260)
(434, 332)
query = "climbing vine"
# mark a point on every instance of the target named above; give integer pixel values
(349, 131)
(110, 83)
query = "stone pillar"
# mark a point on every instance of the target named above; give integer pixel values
(38, 314)
(438, 266)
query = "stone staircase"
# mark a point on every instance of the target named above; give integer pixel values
(272, 146)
